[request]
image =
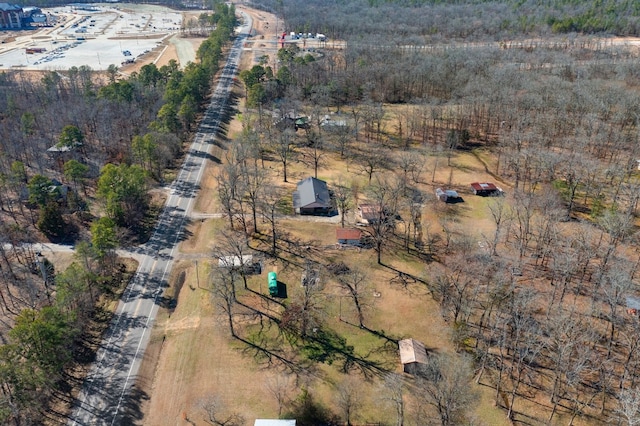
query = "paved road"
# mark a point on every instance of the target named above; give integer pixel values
(108, 396)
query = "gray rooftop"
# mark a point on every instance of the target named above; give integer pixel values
(311, 193)
(6, 7)
(633, 303)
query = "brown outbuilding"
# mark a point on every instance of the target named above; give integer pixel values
(412, 354)
(348, 236)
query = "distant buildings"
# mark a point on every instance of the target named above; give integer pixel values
(14, 17)
(11, 17)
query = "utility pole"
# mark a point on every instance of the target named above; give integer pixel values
(43, 270)
(197, 275)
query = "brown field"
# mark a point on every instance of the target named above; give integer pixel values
(196, 357)
(192, 356)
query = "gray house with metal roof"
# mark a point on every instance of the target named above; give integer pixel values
(312, 197)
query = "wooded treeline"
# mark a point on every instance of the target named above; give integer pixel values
(429, 21)
(79, 155)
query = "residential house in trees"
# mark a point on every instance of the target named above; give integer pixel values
(273, 422)
(292, 121)
(368, 214)
(412, 354)
(312, 198)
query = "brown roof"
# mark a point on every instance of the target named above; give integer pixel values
(369, 211)
(412, 351)
(484, 186)
(348, 234)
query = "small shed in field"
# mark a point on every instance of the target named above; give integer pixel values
(348, 236)
(485, 189)
(412, 353)
(448, 195)
(246, 263)
(234, 261)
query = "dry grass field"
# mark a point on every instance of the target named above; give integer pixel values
(197, 358)
(193, 358)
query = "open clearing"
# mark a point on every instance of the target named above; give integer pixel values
(122, 35)
(191, 356)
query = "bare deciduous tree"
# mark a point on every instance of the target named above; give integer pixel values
(342, 195)
(358, 287)
(348, 399)
(234, 245)
(392, 393)
(280, 388)
(284, 147)
(444, 384)
(384, 196)
(216, 412)
(629, 406)
(224, 293)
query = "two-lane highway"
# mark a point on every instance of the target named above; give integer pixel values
(106, 397)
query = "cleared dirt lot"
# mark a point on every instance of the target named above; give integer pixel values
(127, 36)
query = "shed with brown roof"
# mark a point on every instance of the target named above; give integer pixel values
(412, 354)
(348, 236)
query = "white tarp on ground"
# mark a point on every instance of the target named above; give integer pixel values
(234, 261)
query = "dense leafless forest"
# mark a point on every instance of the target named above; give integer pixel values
(427, 21)
(79, 153)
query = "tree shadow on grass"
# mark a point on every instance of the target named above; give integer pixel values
(380, 334)
(327, 346)
(271, 358)
(282, 295)
(403, 278)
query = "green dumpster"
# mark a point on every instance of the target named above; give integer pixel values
(273, 283)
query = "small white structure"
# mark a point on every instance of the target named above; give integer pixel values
(235, 261)
(448, 195)
(269, 422)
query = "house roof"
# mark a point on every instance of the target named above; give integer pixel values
(484, 186)
(270, 422)
(633, 303)
(311, 193)
(6, 7)
(369, 211)
(348, 234)
(450, 193)
(412, 351)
